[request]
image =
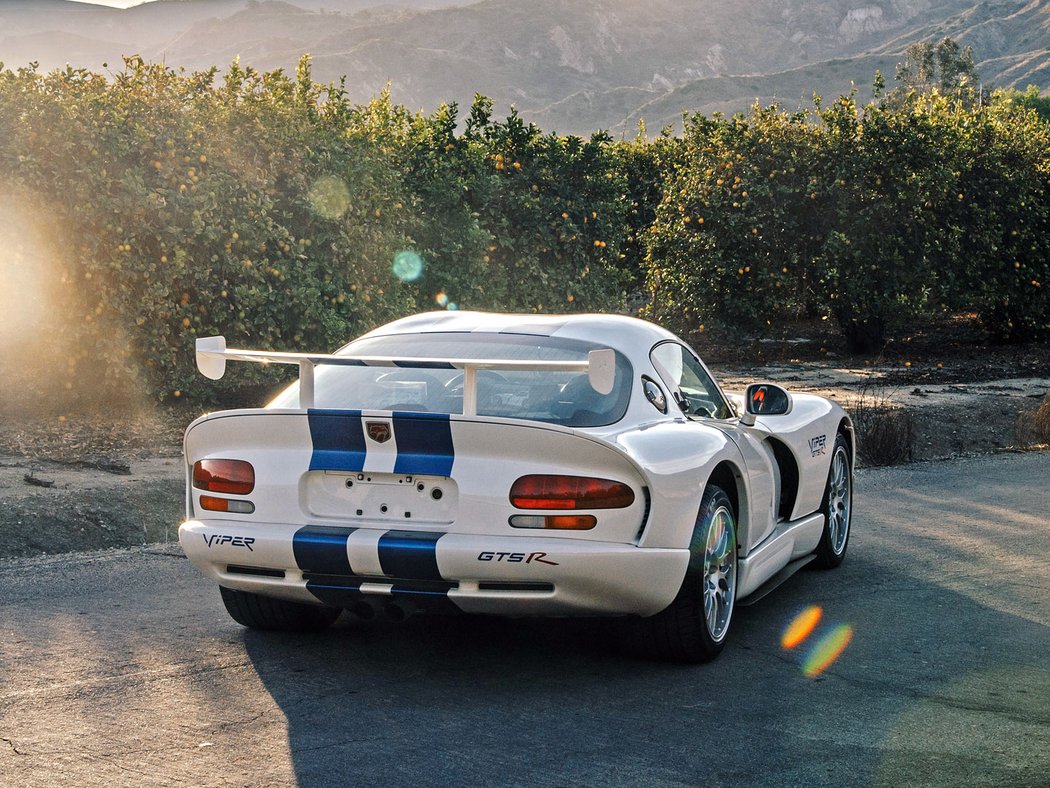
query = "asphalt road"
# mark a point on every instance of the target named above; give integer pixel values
(122, 668)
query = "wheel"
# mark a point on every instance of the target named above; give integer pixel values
(837, 508)
(694, 627)
(263, 612)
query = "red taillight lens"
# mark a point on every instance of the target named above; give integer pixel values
(569, 492)
(224, 476)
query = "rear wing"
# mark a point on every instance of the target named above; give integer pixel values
(212, 355)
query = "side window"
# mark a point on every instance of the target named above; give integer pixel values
(694, 390)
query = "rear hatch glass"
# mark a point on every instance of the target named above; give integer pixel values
(557, 397)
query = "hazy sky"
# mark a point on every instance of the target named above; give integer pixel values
(114, 3)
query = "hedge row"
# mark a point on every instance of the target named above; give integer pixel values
(872, 215)
(151, 206)
(271, 209)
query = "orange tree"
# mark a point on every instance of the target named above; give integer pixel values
(999, 214)
(876, 216)
(741, 217)
(886, 179)
(643, 165)
(272, 209)
(194, 208)
(512, 218)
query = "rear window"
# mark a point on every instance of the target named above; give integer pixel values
(565, 398)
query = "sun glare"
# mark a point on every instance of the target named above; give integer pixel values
(115, 3)
(23, 279)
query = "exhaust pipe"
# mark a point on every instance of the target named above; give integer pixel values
(366, 610)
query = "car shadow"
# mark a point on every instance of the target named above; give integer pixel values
(934, 687)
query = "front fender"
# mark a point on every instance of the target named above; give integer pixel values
(809, 433)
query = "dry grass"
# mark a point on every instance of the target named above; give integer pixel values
(1041, 420)
(1033, 427)
(885, 431)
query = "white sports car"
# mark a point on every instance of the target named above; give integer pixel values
(519, 465)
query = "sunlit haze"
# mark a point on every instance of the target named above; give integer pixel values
(114, 3)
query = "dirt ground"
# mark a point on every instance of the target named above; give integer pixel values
(81, 482)
(110, 482)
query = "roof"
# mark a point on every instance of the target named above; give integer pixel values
(617, 330)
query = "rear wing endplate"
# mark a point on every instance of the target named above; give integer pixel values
(212, 355)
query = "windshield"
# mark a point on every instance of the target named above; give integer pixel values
(565, 398)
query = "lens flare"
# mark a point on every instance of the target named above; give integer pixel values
(63, 347)
(441, 299)
(801, 627)
(408, 266)
(826, 650)
(330, 197)
(452, 306)
(24, 307)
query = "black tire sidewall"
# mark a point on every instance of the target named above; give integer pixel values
(827, 558)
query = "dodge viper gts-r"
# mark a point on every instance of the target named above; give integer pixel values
(518, 465)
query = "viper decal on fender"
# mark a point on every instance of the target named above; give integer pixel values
(818, 445)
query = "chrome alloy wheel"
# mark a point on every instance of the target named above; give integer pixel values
(840, 499)
(720, 573)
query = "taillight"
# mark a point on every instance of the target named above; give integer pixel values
(540, 491)
(236, 477)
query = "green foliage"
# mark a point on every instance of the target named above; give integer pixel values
(738, 223)
(885, 182)
(269, 208)
(514, 218)
(643, 165)
(190, 208)
(1000, 263)
(873, 215)
(1031, 98)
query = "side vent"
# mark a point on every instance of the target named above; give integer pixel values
(645, 514)
(788, 478)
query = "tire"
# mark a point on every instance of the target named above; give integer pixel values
(837, 508)
(694, 627)
(262, 612)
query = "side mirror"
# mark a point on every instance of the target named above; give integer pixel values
(764, 399)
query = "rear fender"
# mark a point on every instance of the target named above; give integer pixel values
(678, 459)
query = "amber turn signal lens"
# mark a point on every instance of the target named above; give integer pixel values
(236, 477)
(215, 504)
(567, 522)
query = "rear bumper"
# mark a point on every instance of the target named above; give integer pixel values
(504, 575)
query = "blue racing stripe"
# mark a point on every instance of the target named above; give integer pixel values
(348, 594)
(424, 444)
(338, 439)
(335, 596)
(410, 555)
(322, 549)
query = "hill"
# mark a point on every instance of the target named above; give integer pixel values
(572, 67)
